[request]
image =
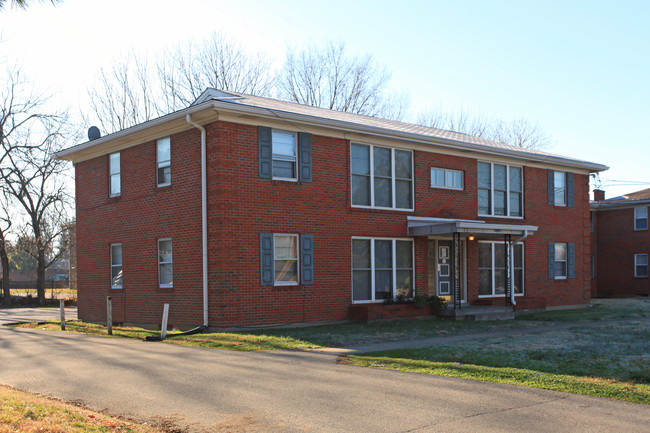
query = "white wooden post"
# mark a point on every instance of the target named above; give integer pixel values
(109, 315)
(62, 309)
(163, 327)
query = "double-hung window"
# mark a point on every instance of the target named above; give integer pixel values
(381, 177)
(163, 159)
(381, 269)
(641, 218)
(285, 155)
(500, 190)
(560, 188)
(116, 266)
(285, 259)
(114, 174)
(492, 268)
(561, 261)
(641, 265)
(449, 179)
(165, 269)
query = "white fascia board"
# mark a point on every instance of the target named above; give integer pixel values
(597, 206)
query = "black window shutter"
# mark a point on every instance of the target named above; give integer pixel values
(551, 260)
(571, 261)
(304, 153)
(266, 259)
(307, 259)
(569, 190)
(551, 187)
(265, 140)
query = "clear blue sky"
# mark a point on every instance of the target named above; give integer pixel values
(580, 69)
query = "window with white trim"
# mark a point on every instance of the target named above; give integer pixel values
(114, 174)
(381, 269)
(641, 218)
(500, 190)
(448, 179)
(163, 158)
(492, 268)
(116, 266)
(559, 188)
(165, 268)
(285, 259)
(561, 260)
(285, 155)
(382, 177)
(641, 265)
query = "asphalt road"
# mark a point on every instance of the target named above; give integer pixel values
(221, 391)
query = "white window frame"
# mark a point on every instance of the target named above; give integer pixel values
(446, 173)
(160, 262)
(284, 158)
(493, 270)
(560, 175)
(372, 267)
(166, 141)
(297, 260)
(114, 177)
(637, 265)
(637, 210)
(508, 206)
(392, 177)
(565, 261)
(115, 265)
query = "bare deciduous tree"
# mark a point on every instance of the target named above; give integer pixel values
(29, 174)
(329, 78)
(517, 132)
(22, 4)
(130, 92)
(186, 70)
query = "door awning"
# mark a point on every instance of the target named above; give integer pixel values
(424, 226)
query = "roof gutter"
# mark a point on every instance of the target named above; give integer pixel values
(204, 216)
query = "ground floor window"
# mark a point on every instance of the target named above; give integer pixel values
(640, 265)
(165, 264)
(381, 269)
(116, 266)
(492, 268)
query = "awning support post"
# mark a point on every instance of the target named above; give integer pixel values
(455, 269)
(508, 277)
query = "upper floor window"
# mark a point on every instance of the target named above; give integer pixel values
(640, 265)
(116, 266)
(641, 218)
(560, 188)
(165, 268)
(114, 174)
(443, 178)
(381, 177)
(163, 157)
(500, 190)
(285, 155)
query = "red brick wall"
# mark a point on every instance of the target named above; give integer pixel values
(617, 242)
(241, 206)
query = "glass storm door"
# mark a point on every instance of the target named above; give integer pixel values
(444, 259)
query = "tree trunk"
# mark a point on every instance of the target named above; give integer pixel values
(4, 259)
(40, 275)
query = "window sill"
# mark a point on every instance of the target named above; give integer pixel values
(501, 217)
(499, 296)
(382, 208)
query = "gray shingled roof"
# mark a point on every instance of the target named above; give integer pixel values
(375, 122)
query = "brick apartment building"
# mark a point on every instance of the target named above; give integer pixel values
(244, 211)
(620, 244)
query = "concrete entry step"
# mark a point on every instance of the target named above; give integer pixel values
(478, 312)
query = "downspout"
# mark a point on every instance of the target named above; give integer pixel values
(204, 218)
(512, 266)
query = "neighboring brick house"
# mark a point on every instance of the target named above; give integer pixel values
(305, 214)
(620, 244)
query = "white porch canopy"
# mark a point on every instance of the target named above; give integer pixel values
(425, 226)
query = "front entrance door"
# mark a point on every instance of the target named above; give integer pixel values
(444, 267)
